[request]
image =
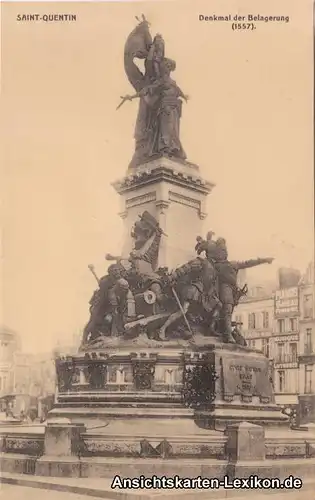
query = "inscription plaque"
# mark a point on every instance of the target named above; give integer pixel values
(250, 378)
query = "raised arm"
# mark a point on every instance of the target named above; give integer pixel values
(251, 263)
(182, 95)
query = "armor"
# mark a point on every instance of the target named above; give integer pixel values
(229, 292)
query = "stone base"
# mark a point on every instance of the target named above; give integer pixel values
(98, 467)
(220, 415)
(58, 466)
(159, 448)
(212, 383)
(16, 463)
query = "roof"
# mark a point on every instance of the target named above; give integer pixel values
(14, 395)
(6, 330)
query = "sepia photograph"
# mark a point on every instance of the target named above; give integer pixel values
(157, 287)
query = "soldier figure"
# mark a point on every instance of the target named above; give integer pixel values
(229, 293)
(228, 289)
(196, 284)
(214, 250)
(147, 236)
(117, 297)
(100, 307)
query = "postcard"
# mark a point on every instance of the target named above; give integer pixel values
(157, 261)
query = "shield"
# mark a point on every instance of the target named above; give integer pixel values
(149, 297)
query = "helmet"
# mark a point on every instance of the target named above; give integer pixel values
(122, 283)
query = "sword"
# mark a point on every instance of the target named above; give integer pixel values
(124, 99)
(92, 269)
(182, 310)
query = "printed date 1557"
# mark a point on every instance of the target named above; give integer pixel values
(243, 26)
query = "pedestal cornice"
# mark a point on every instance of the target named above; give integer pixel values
(164, 169)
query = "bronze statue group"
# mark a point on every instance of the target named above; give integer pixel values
(136, 296)
(197, 297)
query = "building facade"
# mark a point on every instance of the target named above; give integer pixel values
(307, 346)
(34, 375)
(9, 346)
(282, 325)
(255, 313)
(271, 326)
(286, 345)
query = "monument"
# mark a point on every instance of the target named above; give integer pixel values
(161, 370)
(160, 341)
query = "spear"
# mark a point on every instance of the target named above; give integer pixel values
(92, 269)
(182, 310)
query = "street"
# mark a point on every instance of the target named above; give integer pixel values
(9, 492)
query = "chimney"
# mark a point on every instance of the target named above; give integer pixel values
(288, 277)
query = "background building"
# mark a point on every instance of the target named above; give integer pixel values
(280, 322)
(34, 374)
(307, 346)
(255, 312)
(9, 346)
(286, 345)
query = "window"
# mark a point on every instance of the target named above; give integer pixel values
(265, 319)
(251, 321)
(293, 352)
(308, 306)
(281, 380)
(293, 325)
(308, 378)
(280, 352)
(265, 347)
(280, 348)
(280, 325)
(308, 348)
(238, 318)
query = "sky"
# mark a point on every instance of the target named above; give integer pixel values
(248, 125)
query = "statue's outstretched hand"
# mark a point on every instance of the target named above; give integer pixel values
(270, 260)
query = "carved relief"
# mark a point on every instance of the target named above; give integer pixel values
(143, 373)
(97, 375)
(185, 200)
(140, 200)
(27, 446)
(199, 385)
(65, 371)
(162, 450)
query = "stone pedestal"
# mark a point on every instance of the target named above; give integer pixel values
(62, 449)
(145, 385)
(246, 447)
(242, 390)
(62, 439)
(246, 442)
(175, 194)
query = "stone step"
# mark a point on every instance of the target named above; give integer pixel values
(118, 404)
(101, 488)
